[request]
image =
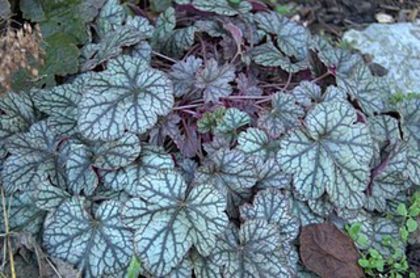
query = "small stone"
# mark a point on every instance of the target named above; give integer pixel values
(384, 18)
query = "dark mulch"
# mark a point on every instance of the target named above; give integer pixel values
(335, 16)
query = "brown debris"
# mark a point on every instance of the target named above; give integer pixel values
(328, 252)
(19, 49)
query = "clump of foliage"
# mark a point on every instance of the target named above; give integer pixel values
(395, 265)
(199, 140)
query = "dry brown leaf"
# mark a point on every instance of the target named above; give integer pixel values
(328, 252)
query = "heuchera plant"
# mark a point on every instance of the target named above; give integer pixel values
(200, 140)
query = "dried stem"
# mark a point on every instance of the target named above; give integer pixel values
(54, 268)
(164, 57)
(324, 75)
(7, 230)
(243, 97)
(187, 106)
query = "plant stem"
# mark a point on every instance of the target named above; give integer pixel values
(7, 230)
(268, 98)
(186, 106)
(243, 97)
(195, 114)
(164, 57)
(324, 75)
(289, 79)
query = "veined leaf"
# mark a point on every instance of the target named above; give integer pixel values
(389, 177)
(120, 31)
(322, 206)
(305, 214)
(111, 16)
(340, 60)
(232, 120)
(218, 143)
(49, 197)
(214, 80)
(384, 130)
(212, 28)
(332, 154)
(283, 115)
(248, 85)
(166, 219)
(269, 56)
(410, 121)
(369, 90)
(179, 41)
(35, 155)
(274, 207)
(221, 7)
(204, 267)
(118, 153)
(232, 175)
(210, 120)
(18, 115)
(269, 174)
(376, 230)
(184, 269)
(250, 251)
(333, 93)
(152, 160)
(142, 50)
(22, 214)
(306, 93)
(165, 24)
(80, 173)
(62, 56)
(97, 246)
(183, 75)
(60, 103)
(413, 166)
(292, 38)
(254, 142)
(110, 46)
(128, 95)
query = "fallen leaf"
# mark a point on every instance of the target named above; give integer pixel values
(328, 252)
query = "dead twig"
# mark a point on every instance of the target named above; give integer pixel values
(7, 230)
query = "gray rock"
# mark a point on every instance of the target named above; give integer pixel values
(396, 47)
(4, 9)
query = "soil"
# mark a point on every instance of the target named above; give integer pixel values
(336, 16)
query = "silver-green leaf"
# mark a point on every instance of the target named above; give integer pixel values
(35, 155)
(250, 251)
(129, 95)
(97, 246)
(168, 220)
(283, 115)
(221, 7)
(292, 38)
(332, 154)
